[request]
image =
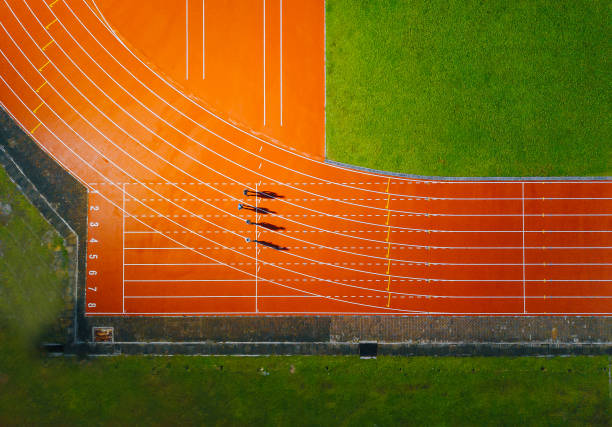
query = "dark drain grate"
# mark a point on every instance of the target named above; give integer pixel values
(368, 350)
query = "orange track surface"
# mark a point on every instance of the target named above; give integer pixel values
(167, 123)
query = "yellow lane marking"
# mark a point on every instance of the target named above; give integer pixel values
(46, 63)
(41, 86)
(51, 5)
(50, 23)
(36, 109)
(48, 44)
(388, 240)
(35, 127)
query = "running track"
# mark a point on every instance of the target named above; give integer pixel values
(168, 119)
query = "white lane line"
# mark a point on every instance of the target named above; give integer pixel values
(159, 248)
(191, 280)
(281, 61)
(178, 264)
(418, 296)
(523, 209)
(186, 39)
(264, 62)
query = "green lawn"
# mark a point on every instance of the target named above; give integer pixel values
(471, 88)
(255, 390)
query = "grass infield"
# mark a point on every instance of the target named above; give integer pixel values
(470, 88)
(255, 390)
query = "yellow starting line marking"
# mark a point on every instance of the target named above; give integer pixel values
(389, 243)
(51, 5)
(35, 127)
(36, 109)
(50, 23)
(47, 45)
(41, 86)
(46, 63)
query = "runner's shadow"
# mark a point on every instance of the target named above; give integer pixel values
(271, 245)
(256, 209)
(269, 226)
(269, 195)
(263, 194)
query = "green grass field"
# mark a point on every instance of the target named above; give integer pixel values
(255, 390)
(470, 88)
